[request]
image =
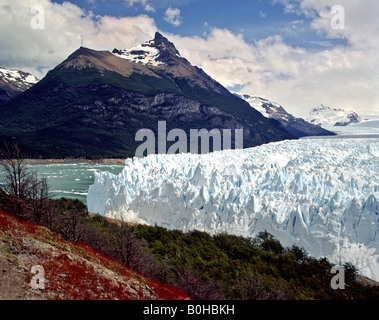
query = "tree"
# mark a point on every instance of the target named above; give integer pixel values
(351, 271)
(196, 286)
(268, 243)
(27, 194)
(16, 179)
(68, 219)
(131, 250)
(39, 197)
(250, 287)
(129, 246)
(299, 253)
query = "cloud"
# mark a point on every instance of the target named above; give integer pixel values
(143, 3)
(361, 23)
(66, 28)
(297, 78)
(149, 8)
(173, 16)
(262, 14)
(132, 2)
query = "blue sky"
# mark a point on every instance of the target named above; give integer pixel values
(253, 19)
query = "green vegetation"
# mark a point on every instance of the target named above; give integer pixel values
(246, 268)
(147, 85)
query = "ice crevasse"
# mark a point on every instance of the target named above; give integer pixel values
(319, 194)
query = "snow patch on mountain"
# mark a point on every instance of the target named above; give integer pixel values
(16, 76)
(325, 116)
(319, 194)
(268, 108)
(13, 82)
(145, 53)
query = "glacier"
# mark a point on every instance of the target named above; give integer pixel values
(319, 194)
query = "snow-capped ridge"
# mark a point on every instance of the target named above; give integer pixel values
(326, 116)
(296, 126)
(17, 76)
(266, 107)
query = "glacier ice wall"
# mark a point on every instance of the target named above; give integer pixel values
(320, 194)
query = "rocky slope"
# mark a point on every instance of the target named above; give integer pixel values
(72, 271)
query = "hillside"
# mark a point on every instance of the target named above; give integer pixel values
(207, 267)
(72, 271)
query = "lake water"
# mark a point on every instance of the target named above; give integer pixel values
(72, 180)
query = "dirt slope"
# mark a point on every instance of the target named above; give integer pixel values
(72, 271)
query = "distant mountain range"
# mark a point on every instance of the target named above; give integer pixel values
(93, 103)
(296, 126)
(325, 116)
(13, 82)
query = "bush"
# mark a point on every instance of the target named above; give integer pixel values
(268, 243)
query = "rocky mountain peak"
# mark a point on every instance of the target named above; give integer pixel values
(165, 46)
(156, 52)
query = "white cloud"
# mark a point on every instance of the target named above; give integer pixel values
(149, 8)
(361, 23)
(143, 3)
(66, 25)
(262, 14)
(173, 16)
(132, 2)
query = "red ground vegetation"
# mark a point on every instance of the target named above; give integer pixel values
(77, 271)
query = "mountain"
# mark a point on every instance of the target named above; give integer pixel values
(327, 117)
(93, 103)
(13, 82)
(296, 126)
(318, 194)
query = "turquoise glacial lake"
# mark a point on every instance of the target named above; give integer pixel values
(72, 180)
